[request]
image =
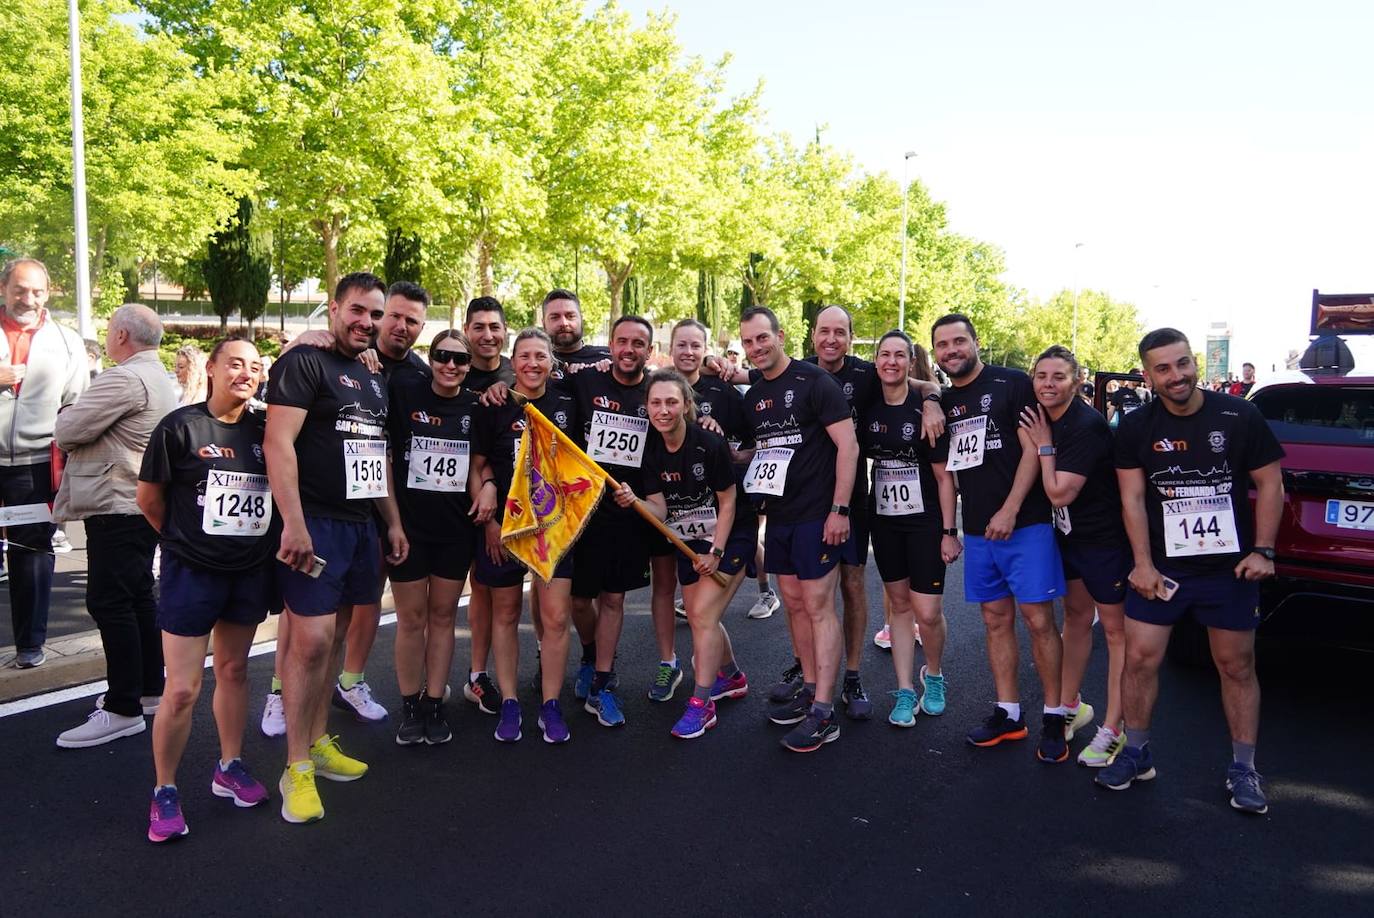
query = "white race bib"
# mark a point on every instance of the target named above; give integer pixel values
(236, 504)
(617, 439)
(695, 524)
(438, 465)
(768, 471)
(897, 490)
(1200, 526)
(364, 469)
(966, 441)
(1062, 521)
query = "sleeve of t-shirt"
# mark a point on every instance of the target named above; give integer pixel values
(295, 379)
(719, 470)
(1081, 453)
(1023, 393)
(940, 451)
(1261, 447)
(1126, 450)
(157, 458)
(828, 401)
(653, 459)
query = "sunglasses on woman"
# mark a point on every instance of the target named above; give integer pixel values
(461, 358)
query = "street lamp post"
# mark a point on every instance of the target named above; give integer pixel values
(81, 255)
(901, 290)
(1076, 247)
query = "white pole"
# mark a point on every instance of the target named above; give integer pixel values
(901, 288)
(82, 247)
(1076, 247)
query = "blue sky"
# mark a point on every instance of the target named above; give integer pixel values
(1213, 158)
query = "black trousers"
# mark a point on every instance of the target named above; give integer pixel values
(30, 553)
(119, 596)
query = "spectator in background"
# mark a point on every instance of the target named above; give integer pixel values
(42, 368)
(1241, 387)
(93, 355)
(106, 432)
(1086, 390)
(190, 370)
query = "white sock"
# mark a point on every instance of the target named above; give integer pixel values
(1013, 708)
(672, 662)
(1061, 710)
(472, 677)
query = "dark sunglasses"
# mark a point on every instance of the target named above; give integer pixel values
(461, 358)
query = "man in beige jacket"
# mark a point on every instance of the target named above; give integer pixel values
(105, 433)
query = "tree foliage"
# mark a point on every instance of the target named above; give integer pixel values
(238, 267)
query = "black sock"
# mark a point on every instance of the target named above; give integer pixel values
(437, 702)
(413, 699)
(589, 653)
(851, 675)
(600, 681)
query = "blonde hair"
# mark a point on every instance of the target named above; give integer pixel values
(197, 387)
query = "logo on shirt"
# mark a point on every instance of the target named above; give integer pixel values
(1217, 440)
(609, 404)
(642, 411)
(764, 404)
(560, 418)
(465, 423)
(787, 398)
(877, 427)
(958, 411)
(214, 451)
(908, 430)
(349, 381)
(1170, 446)
(257, 452)
(424, 417)
(849, 390)
(699, 471)
(670, 476)
(705, 408)
(376, 388)
(986, 401)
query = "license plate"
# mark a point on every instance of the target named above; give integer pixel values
(1350, 514)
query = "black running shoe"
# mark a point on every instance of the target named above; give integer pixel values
(998, 728)
(483, 693)
(436, 726)
(793, 709)
(412, 729)
(811, 734)
(1053, 747)
(788, 686)
(856, 703)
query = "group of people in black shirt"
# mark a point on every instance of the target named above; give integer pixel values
(374, 463)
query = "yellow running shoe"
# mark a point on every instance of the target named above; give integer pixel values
(1077, 720)
(1106, 745)
(331, 763)
(300, 802)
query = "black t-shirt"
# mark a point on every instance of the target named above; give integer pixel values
(198, 456)
(431, 449)
(890, 435)
(481, 380)
(615, 430)
(1194, 466)
(999, 394)
(722, 402)
(859, 382)
(792, 412)
(497, 434)
(689, 479)
(1126, 399)
(341, 448)
(567, 365)
(410, 367)
(1083, 446)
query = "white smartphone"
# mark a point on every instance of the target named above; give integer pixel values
(317, 567)
(1170, 588)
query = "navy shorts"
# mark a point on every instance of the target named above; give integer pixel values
(1102, 568)
(799, 549)
(192, 599)
(353, 568)
(1215, 601)
(1026, 566)
(449, 560)
(910, 554)
(855, 551)
(510, 572)
(611, 558)
(739, 553)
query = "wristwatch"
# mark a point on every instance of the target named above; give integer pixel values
(1267, 554)
(950, 532)
(718, 552)
(841, 509)
(1045, 451)
(933, 397)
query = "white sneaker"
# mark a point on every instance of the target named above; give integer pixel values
(679, 608)
(883, 638)
(60, 543)
(765, 605)
(150, 703)
(101, 727)
(358, 699)
(916, 628)
(273, 716)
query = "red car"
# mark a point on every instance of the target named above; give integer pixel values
(1324, 588)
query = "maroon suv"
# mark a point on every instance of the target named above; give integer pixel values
(1324, 588)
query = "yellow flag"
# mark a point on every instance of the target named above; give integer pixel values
(555, 490)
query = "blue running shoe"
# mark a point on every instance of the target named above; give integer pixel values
(666, 681)
(736, 686)
(932, 693)
(699, 717)
(1129, 766)
(583, 686)
(904, 711)
(508, 729)
(1244, 784)
(552, 723)
(606, 707)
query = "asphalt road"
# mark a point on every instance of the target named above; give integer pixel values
(67, 613)
(632, 821)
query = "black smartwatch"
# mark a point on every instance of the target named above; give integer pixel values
(950, 532)
(841, 509)
(718, 552)
(1267, 554)
(933, 397)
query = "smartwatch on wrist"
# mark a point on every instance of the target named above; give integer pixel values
(1045, 451)
(718, 552)
(841, 509)
(933, 397)
(950, 532)
(1264, 552)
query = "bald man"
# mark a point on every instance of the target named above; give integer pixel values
(105, 433)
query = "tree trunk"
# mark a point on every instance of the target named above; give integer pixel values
(486, 281)
(329, 238)
(811, 310)
(616, 275)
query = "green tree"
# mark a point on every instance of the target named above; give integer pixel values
(238, 267)
(403, 257)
